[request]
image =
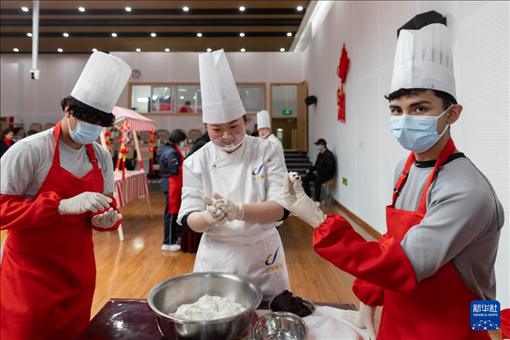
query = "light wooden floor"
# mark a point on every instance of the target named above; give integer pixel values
(131, 268)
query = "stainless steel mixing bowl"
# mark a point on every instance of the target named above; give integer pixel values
(168, 295)
(279, 326)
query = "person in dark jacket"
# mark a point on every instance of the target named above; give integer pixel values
(6, 141)
(321, 172)
(170, 170)
(203, 140)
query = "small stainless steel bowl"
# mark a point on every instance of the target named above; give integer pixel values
(167, 296)
(279, 326)
(305, 301)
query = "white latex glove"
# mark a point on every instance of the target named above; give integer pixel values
(298, 202)
(86, 201)
(106, 220)
(363, 319)
(234, 211)
(212, 215)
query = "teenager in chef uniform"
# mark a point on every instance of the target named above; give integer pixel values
(239, 226)
(265, 132)
(56, 187)
(443, 223)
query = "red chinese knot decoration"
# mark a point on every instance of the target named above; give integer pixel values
(341, 72)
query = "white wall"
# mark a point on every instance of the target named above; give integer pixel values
(365, 149)
(39, 101)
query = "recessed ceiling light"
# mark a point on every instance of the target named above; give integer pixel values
(128, 9)
(66, 35)
(60, 50)
(185, 9)
(167, 50)
(15, 49)
(241, 34)
(199, 35)
(81, 9)
(242, 8)
(289, 34)
(153, 35)
(300, 8)
(243, 50)
(138, 50)
(29, 34)
(209, 50)
(24, 9)
(282, 49)
(181, 97)
(114, 35)
(94, 50)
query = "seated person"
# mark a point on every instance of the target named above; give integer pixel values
(186, 108)
(321, 172)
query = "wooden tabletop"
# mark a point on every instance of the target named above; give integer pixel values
(131, 319)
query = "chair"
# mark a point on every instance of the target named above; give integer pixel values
(36, 127)
(48, 126)
(326, 198)
(145, 136)
(163, 134)
(194, 133)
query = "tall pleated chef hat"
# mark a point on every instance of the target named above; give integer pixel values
(263, 119)
(221, 102)
(424, 59)
(101, 82)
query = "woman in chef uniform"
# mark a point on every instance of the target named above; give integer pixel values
(232, 188)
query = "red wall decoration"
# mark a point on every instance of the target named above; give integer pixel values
(341, 72)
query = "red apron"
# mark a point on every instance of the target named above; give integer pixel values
(175, 188)
(48, 275)
(439, 306)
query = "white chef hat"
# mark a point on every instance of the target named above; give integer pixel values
(263, 119)
(424, 59)
(101, 82)
(221, 102)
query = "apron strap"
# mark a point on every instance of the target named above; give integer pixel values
(448, 150)
(92, 156)
(403, 178)
(56, 133)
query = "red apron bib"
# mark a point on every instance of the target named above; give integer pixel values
(439, 307)
(175, 188)
(48, 275)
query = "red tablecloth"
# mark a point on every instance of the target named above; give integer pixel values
(132, 187)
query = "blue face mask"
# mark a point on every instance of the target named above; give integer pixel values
(318, 148)
(181, 144)
(416, 133)
(84, 133)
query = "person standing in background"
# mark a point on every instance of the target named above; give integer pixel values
(6, 142)
(170, 170)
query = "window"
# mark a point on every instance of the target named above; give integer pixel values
(175, 98)
(252, 97)
(189, 99)
(161, 99)
(140, 95)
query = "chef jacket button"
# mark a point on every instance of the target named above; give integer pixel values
(214, 165)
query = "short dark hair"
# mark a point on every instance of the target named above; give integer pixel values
(177, 136)
(87, 113)
(187, 102)
(31, 132)
(6, 132)
(447, 99)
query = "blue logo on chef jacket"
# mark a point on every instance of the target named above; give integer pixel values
(274, 257)
(256, 173)
(485, 315)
